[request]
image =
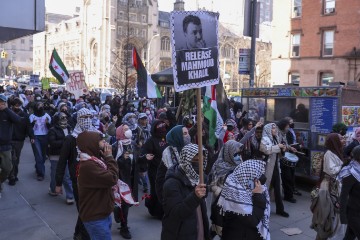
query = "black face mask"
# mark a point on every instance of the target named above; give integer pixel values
(230, 128)
(16, 109)
(262, 179)
(56, 97)
(106, 119)
(291, 125)
(195, 166)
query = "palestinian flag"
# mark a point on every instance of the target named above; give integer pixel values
(146, 87)
(58, 68)
(212, 114)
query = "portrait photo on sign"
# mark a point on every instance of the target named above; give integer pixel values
(195, 49)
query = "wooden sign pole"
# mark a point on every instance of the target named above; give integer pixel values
(199, 135)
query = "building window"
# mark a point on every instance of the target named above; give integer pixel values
(138, 3)
(132, 17)
(329, 6)
(164, 65)
(297, 8)
(127, 54)
(119, 31)
(121, 15)
(294, 78)
(295, 45)
(143, 33)
(164, 24)
(132, 31)
(143, 18)
(328, 43)
(165, 44)
(326, 78)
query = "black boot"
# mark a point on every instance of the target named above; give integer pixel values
(124, 232)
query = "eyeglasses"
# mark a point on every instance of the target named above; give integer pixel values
(87, 116)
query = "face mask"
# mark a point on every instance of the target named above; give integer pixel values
(106, 119)
(64, 111)
(73, 97)
(68, 98)
(230, 128)
(55, 97)
(237, 158)
(132, 109)
(38, 98)
(128, 134)
(16, 109)
(144, 104)
(147, 112)
(195, 166)
(187, 139)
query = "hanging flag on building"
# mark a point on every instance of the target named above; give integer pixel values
(212, 114)
(58, 68)
(195, 52)
(146, 87)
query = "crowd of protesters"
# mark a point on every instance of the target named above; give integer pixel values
(94, 146)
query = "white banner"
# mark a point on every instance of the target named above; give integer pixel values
(76, 84)
(195, 56)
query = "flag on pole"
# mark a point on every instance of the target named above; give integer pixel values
(58, 68)
(146, 87)
(212, 114)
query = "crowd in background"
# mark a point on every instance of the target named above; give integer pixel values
(92, 144)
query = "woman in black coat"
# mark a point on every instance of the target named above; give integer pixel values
(184, 206)
(246, 203)
(350, 196)
(149, 160)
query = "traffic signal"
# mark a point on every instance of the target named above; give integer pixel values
(3, 54)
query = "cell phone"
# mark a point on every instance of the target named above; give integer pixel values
(294, 144)
(262, 120)
(251, 184)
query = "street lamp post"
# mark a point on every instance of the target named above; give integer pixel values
(148, 51)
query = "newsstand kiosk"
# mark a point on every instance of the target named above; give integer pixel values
(314, 110)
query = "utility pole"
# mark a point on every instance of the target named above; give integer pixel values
(253, 42)
(127, 50)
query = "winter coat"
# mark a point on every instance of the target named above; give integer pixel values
(56, 137)
(350, 200)
(244, 227)
(22, 129)
(68, 156)
(7, 120)
(180, 204)
(267, 147)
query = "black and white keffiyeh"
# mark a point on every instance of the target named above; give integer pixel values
(236, 195)
(267, 131)
(187, 154)
(225, 162)
(83, 124)
(130, 120)
(352, 169)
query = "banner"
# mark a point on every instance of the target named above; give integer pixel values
(195, 53)
(244, 61)
(76, 84)
(45, 83)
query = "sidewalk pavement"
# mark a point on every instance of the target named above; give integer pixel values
(28, 212)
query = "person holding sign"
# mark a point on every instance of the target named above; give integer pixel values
(183, 199)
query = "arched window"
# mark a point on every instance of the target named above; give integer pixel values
(165, 44)
(93, 57)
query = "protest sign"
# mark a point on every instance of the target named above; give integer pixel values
(45, 83)
(195, 54)
(76, 84)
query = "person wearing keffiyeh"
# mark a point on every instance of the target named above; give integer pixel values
(183, 199)
(246, 207)
(350, 196)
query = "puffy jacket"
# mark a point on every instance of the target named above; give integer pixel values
(56, 137)
(7, 119)
(180, 204)
(23, 129)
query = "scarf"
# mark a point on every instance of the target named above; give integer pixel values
(333, 144)
(83, 124)
(186, 156)
(170, 156)
(267, 131)
(352, 169)
(63, 122)
(130, 120)
(120, 135)
(225, 162)
(236, 196)
(121, 190)
(175, 137)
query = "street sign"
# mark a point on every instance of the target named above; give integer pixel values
(244, 61)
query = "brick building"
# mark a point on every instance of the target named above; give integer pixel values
(316, 42)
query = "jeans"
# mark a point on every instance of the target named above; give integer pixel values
(66, 181)
(5, 165)
(15, 155)
(39, 148)
(99, 229)
(144, 180)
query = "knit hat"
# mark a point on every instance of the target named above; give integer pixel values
(142, 115)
